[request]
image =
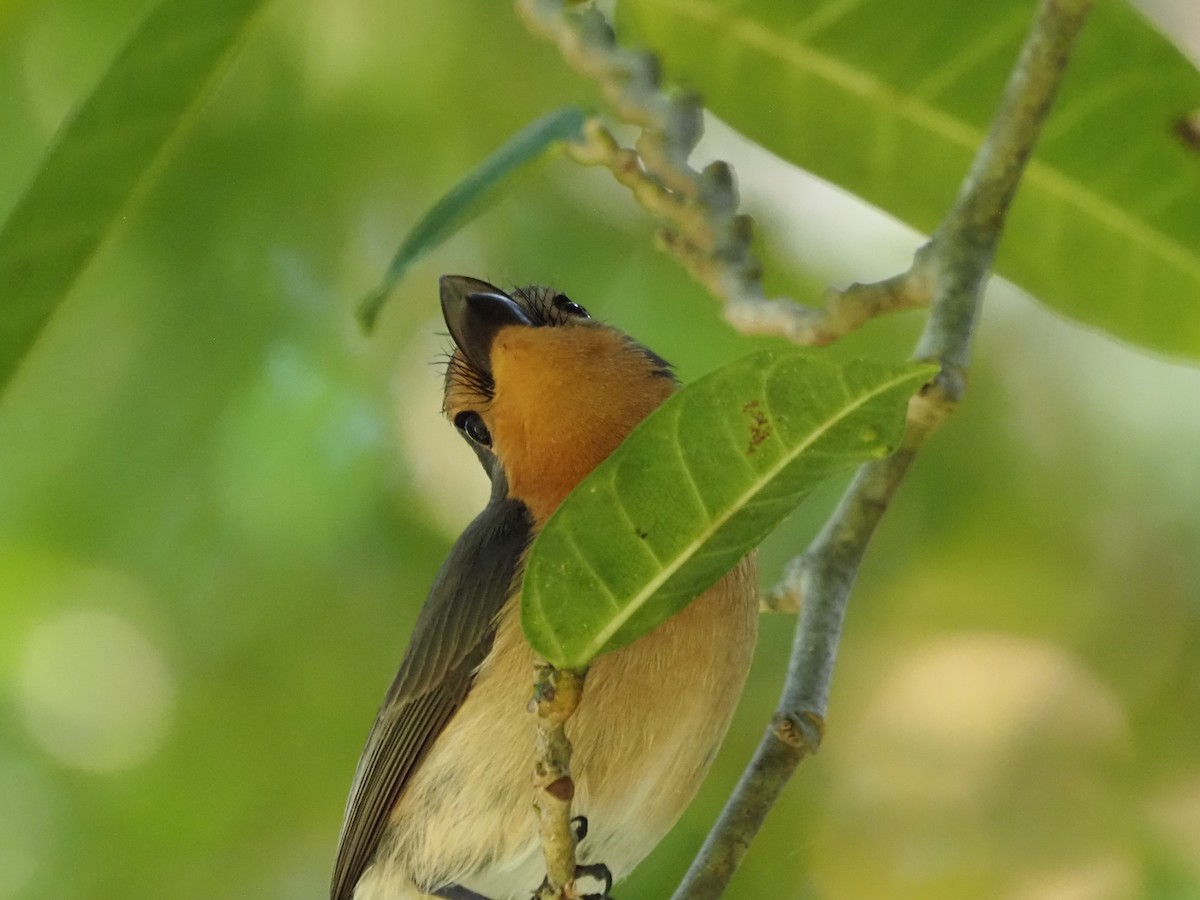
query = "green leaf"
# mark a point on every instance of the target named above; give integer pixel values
(106, 154)
(466, 198)
(890, 99)
(695, 487)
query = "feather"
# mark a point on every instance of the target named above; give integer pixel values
(453, 634)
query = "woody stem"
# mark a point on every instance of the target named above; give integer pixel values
(954, 266)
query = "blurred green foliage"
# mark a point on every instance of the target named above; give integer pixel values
(221, 506)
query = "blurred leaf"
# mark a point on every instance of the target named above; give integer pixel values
(466, 198)
(10, 10)
(891, 99)
(106, 153)
(695, 487)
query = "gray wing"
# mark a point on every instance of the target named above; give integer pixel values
(452, 635)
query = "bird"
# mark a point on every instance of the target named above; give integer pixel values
(441, 803)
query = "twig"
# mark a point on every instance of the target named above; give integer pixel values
(954, 266)
(556, 694)
(704, 231)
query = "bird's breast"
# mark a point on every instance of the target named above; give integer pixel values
(654, 715)
(651, 719)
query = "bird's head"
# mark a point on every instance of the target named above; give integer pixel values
(540, 389)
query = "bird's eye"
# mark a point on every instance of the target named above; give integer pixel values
(471, 424)
(565, 304)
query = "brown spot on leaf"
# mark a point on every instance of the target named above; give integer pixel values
(1187, 129)
(759, 429)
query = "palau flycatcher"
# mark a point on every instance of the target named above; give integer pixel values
(442, 803)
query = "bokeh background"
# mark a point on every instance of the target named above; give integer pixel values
(221, 505)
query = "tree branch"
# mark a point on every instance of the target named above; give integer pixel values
(556, 694)
(704, 230)
(954, 267)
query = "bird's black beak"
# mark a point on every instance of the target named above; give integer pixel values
(474, 311)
